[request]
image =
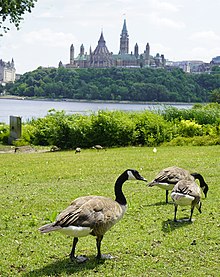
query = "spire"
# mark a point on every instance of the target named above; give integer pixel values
(12, 62)
(82, 50)
(71, 54)
(101, 41)
(136, 50)
(124, 29)
(124, 40)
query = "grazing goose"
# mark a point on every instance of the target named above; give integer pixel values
(185, 193)
(77, 150)
(92, 215)
(97, 147)
(168, 177)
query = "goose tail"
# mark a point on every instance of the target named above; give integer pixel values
(48, 228)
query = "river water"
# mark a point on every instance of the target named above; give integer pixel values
(28, 109)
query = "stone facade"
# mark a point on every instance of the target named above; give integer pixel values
(7, 71)
(101, 57)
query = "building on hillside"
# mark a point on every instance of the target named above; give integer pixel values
(101, 57)
(190, 66)
(7, 71)
(215, 61)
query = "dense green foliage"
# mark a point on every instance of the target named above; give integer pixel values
(215, 95)
(106, 128)
(1, 88)
(199, 125)
(13, 11)
(145, 243)
(137, 84)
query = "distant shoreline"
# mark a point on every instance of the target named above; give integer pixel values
(14, 97)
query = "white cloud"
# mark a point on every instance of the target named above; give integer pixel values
(159, 21)
(205, 54)
(49, 15)
(49, 38)
(164, 6)
(205, 35)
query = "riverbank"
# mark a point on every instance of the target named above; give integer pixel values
(14, 97)
(29, 108)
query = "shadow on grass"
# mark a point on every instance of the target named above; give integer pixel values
(169, 225)
(66, 267)
(159, 204)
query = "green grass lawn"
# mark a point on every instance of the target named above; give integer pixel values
(34, 187)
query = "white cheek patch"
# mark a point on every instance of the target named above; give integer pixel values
(130, 175)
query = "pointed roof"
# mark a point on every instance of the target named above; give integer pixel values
(101, 54)
(101, 41)
(124, 29)
(101, 48)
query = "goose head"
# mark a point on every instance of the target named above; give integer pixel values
(203, 184)
(134, 174)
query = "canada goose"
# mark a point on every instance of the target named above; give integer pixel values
(92, 215)
(184, 193)
(97, 147)
(77, 150)
(168, 177)
(54, 148)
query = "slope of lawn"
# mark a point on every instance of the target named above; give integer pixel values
(34, 187)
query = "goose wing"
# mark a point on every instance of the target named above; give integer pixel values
(187, 188)
(172, 175)
(90, 211)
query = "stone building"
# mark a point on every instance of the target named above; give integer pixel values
(101, 57)
(7, 71)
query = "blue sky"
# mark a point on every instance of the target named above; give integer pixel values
(179, 29)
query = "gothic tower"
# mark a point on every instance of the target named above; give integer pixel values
(124, 40)
(147, 55)
(82, 50)
(71, 54)
(136, 50)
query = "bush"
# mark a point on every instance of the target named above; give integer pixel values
(112, 129)
(202, 114)
(118, 128)
(151, 129)
(194, 141)
(4, 133)
(188, 128)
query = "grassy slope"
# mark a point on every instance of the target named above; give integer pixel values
(145, 243)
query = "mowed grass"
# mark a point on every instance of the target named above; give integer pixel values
(35, 187)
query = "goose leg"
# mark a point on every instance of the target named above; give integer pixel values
(72, 254)
(175, 210)
(167, 192)
(98, 245)
(192, 209)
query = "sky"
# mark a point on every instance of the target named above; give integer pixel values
(179, 29)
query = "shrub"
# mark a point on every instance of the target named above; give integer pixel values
(118, 128)
(112, 128)
(4, 133)
(151, 129)
(188, 128)
(194, 141)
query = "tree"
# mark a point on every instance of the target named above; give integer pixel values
(215, 95)
(13, 10)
